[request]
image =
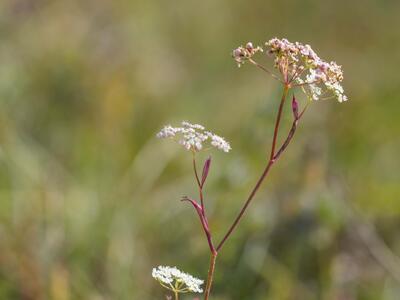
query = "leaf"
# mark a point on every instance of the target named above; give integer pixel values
(206, 168)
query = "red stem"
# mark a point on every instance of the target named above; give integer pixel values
(198, 183)
(242, 211)
(273, 158)
(203, 221)
(201, 209)
(271, 161)
(278, 120)
(210, 276)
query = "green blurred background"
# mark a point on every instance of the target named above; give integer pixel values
(89, 198)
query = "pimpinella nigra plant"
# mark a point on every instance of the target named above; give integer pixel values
(296, 67)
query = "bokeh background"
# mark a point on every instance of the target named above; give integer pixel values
(89, 198)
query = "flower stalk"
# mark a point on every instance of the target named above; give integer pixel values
(298, 67)
(210, 277)
(274, 156)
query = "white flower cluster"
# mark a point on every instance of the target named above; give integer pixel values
(241, 54)
(306, 68)
(176, 280)
(193, 136)
(299, 64)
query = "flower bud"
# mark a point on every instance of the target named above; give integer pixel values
(237, 53)
(249, 46)
(295, 108)
(206, 168)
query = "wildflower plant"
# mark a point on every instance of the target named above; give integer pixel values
(299, 66)
(296, 67)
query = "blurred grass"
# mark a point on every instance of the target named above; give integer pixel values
(89, 198)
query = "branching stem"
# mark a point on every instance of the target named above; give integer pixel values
(273, 157)
(263, 175)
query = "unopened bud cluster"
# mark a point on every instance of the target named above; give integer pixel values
(241, 54)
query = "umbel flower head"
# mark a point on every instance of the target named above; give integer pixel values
(193, 137)
(177, 281)
(241, 54)
(301, 67)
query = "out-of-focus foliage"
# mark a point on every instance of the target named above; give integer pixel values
(89, 199)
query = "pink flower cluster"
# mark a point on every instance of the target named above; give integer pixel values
(300, 66)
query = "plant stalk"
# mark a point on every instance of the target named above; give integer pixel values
(263, 175)
(274, 156)
(210, 276)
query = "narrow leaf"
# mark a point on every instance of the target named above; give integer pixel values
(295, 108)
(206, 168)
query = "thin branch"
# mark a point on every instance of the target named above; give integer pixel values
(266, 170)
(291, 133)
(242, 211)
(287, 141)
(265, 70)
(195, 170)
(199, 184)
(296, 75)
(304, 110)
(203, 221)
(305, 83)
(278, 120)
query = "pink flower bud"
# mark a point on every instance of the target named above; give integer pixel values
(206, 168)
(237, 52)
(249, 46)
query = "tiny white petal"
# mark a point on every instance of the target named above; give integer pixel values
(193, 137)
(304, 62)
(169, 275)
